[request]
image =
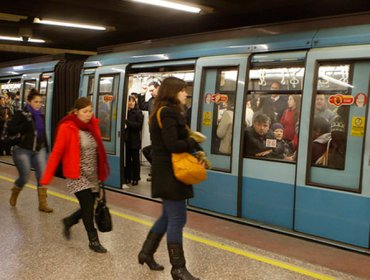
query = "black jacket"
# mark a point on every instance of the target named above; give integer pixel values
(134, 124)
(24, 123)
(172, 138)
(146, 105)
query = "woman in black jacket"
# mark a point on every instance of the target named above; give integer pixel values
(134, 124)
(172, 138)
(31, 149)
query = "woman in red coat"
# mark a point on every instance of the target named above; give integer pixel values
(79, 146)
(290, 119)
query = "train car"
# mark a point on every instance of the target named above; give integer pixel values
(284, 108)
(56, 77)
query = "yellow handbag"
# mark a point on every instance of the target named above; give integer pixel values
(186, 167)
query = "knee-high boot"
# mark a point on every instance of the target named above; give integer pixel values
(94, 243)
(43, 204)
(177, 259)
(14, 195)
(150, 246)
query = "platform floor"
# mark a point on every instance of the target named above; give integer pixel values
(32, 245)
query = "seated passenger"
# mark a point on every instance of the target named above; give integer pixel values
(282, 150)
(329, 149)
(256, 135)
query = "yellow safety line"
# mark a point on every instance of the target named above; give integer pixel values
(205, 241)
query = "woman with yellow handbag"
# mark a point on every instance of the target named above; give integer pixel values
(172, 137)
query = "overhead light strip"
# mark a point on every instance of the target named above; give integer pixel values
(68, 24)
(171, 5)
(19, 39)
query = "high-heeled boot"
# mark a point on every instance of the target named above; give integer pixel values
(94, 243)
(14, 195)
(43, 204)
(150, 246)
(177, 259)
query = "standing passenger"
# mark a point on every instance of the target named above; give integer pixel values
(172, 138)
(134, 124)
(79, 145)
(31, 150)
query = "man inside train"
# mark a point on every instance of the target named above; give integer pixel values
(153, 88)
(322, 110)
(259, 139)
(279, 102)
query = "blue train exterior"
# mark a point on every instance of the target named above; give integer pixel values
(295, 196)
(328, 204)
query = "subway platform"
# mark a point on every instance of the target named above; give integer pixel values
(32, 245)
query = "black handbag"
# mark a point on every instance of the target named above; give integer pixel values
(103, 218)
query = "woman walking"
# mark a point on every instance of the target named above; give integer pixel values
(173, 137)
(30, 151)
(79, 145)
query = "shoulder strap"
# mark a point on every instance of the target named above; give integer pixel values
(159, 117)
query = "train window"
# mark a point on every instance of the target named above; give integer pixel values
(219, 95)
(44, 82)
(272, 113)
(90, 87)
(107, 105)
(337, 121)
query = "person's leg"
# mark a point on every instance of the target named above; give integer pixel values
(152, 241)
(87, 199)
(176, 211)
(128, 175)
(39, 163)
(69, 221)
(22, 161)
(135, 166)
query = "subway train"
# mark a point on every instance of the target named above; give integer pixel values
(284, 108)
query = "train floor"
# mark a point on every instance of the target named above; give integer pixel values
(32, 245)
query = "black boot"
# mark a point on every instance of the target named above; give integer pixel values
(150, 246)
(95, 243)
(68, 222)
(177, 259)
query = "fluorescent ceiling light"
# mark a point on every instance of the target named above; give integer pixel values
(68, 24)
(171, 5)
(19, 39)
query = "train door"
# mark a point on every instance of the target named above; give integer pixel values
(46, 91)
(333, 190)
(272, 120)
(143, 80)
(219, 88)
(108, 84)
(29, 81)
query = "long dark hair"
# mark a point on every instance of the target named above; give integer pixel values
(167, 95)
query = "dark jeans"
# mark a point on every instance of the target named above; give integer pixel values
(86, 199)
(172, 220)
(132, 164)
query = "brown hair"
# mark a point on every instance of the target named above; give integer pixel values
(167, 95)
(33, 94)
(80, 103)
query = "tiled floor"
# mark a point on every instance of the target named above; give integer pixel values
(32, 246)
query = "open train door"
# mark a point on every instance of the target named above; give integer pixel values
(218, 87)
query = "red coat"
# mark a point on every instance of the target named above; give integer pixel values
(67, 148)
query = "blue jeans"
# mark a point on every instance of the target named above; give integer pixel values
(172, 220)
(24, 160)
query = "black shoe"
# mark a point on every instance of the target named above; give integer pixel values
(177, 259)
(66, 229)
(135, 183)
(149, 179)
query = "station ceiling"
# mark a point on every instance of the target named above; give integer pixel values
(131, 22)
